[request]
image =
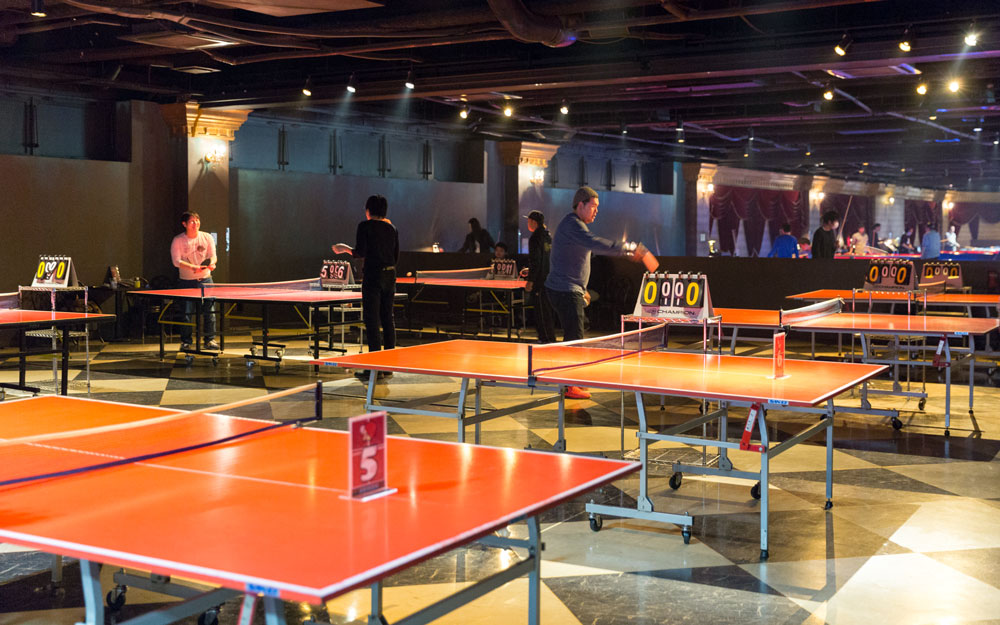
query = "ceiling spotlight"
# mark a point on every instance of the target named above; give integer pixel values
(954, 85)
(828, 94)
(746, 155)
(845, 43)
(38, 8)
(750, 135)
(977, 129)
(972, 38)
(508, 110)
(905, 42)
(922, 88)
(680, 131)
(996, 139)
(464, 112)
(809, 150)
(624, 128)
(564, 108)
(409, 81)
(902, 170)
(352, 84)
(932, 117)
(307, 88)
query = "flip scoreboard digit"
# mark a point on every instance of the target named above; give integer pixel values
(889, 275)
(504, 269)
(336, 272)
(674, 296)
(940, 276)
(55, 271)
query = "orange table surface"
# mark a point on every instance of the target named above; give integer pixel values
(16, 316)
(708, 376)
(955, 299)
(249, 294)
(267, 510)
(862, 322)
(464, 282)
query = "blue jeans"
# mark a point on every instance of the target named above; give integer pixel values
(206, 310)
(568, 306)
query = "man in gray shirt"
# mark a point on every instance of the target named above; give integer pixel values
(569, 267)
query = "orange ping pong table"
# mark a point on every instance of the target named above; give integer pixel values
(827, 318)
(631, 362)
(260, 509)
(968, 301)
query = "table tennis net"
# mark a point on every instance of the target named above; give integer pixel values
(308, 284)
(553, 357)
(813, 311)
(9, 301)
(478, 273)
(94, 436)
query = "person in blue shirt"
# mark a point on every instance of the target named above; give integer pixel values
(569, 267)
(785, 245)
(930, 244)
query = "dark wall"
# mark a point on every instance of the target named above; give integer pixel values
(283, 223)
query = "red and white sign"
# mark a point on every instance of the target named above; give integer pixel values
(367, 455)
(779, 355)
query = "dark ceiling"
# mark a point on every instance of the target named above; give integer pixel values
(741, 77)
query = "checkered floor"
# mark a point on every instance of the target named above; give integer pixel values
(913, 537)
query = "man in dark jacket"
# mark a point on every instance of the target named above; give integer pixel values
(539, 247)
(824, 243)
(478, 241)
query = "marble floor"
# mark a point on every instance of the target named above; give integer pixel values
(913, 536)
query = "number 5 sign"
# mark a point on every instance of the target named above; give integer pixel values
(368, 456)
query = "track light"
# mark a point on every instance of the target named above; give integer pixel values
(828, 93)
(906, 41)
(809, 150)
(750, 134)
(409, 81)
(996, 139)
(508, 110)
(307, 88)
(972, 37)
(922, 88)
(624, 128)
(564, 108)
(954, 85)
(464, 112)
(680, 131)
(352, 84)
(845, 43)
(38, 8)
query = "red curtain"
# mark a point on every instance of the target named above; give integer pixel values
(854, 211)
(971, 213)
(917, 214)
(754, 210)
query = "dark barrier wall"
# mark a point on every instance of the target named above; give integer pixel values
(283, 223)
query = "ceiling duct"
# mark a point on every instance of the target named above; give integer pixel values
(529, 27)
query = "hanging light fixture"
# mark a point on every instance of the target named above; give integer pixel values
(845, 43)
(409, 84)
(564, 107)
(38, 8)
(906, 41)
(352, 84)
(307, 88)
(464, 112)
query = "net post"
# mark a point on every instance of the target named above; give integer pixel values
(319, 401)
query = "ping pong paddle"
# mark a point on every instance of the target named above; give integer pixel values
(206, 262)
(646, 257)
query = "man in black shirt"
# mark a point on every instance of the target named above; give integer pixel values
(539, 247)
(378, 244)
(906, 245)
(824, 243)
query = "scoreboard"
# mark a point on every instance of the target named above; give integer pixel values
(674, 296)
(889, 275)
(940, 276)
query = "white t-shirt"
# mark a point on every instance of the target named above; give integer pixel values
(192, 250)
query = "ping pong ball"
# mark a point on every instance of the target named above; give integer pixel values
(409, 273)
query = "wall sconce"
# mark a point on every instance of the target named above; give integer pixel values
(706, 189)
(948, 205)
(816, 196)
(213, 157)
(537, 175)
(889, 200)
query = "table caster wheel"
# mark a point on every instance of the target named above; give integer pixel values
(596, 523)
(686, 535)
(209, 617)
(828, 504)
(675, 480)
(763, 554)
(115, 599)
(755, 491)
(922, 403)
(897, 424)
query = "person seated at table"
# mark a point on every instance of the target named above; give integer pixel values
(478, 240)
(785, 245)
(950, 241)
(906, 242)
(805, 248)
(499, 250)
(859, 241)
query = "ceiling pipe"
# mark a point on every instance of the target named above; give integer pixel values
(528, 27)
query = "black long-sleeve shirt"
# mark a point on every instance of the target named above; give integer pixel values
(539, 248)
(824, 243)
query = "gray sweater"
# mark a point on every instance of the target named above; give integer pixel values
(569, 263)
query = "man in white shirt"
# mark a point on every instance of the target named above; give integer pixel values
(859, 242)
(193, 253)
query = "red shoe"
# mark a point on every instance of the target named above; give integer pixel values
(576, 392)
